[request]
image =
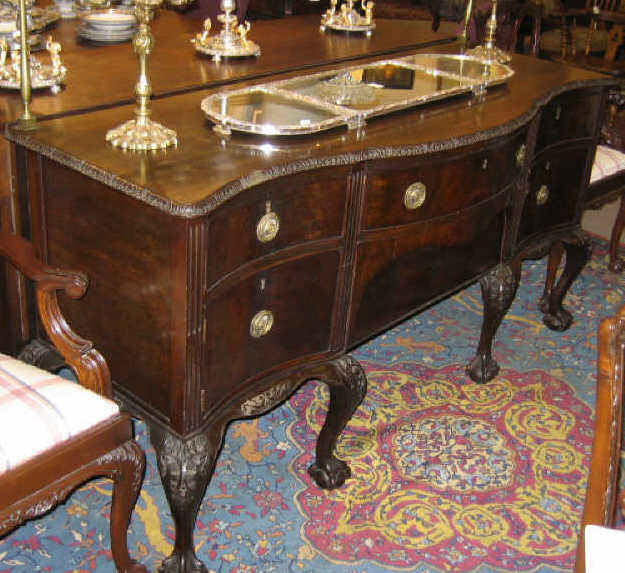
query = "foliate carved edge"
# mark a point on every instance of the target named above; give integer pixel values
(268, 399)
(183, 463)
(128, 453)
(42, 506)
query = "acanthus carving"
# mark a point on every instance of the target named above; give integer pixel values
(128, 453)
(266, 400)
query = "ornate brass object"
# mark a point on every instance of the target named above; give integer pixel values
(543, 195)
(261, 323)
(520, 155)
(268, 226)
(231, 41)
(142, 133)
(348, 19)
(489, 52)
(415, 196)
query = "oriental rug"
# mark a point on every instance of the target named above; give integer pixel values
(448, 475)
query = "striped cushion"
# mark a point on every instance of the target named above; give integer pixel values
(38, 410)
(608, 161)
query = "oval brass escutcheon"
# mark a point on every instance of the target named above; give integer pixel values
(543, 195)
(268, 227)
(520, 155)
(261, 323)
(415, 195)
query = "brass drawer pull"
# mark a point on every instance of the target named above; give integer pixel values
(414, 196)
(261, 323)
(520, 155)
(543, 195)
(268, 225)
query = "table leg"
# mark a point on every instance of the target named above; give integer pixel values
(185, 466)
(499, 287)
(348, 386)
(616, 264)
(577, 249)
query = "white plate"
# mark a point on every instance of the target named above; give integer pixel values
(110, 20)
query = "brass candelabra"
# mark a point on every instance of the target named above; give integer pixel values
(488, 52)
(142, 133)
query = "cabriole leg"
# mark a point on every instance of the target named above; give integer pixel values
(348, 385)
(498, 290)
(186, 467)
(555, 316)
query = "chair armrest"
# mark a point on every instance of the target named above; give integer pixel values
(89, 365)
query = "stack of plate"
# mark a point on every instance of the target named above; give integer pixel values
(108, 26)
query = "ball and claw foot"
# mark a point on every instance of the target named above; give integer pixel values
(330, 475)
(560, 320)
(482, 369)
(182, 563)
(617, 266)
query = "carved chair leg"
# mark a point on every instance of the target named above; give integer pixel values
(617, 264)
(578, 251)
(498, 290)
(348, 386)
(129, 462)
(555, 257)
(186, 467)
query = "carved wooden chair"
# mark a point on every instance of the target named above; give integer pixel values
(601, 493)
(56, 434)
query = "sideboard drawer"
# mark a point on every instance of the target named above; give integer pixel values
(569, 116)
(279, 314)
(400, 191)
(281, 213)
(400, 272)
(555, 186)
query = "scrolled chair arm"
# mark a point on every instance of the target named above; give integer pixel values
(88, 364)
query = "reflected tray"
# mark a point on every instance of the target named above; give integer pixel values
(349, 96)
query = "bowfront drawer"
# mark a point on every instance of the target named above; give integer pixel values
(405, 191)
(276, 315)
(569, 116)
(281, 213)
(555, 187)
(401, 271)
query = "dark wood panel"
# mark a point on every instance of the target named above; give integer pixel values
(301, 295)
(561, 171)
(569, 116)
(309, 206)
(413, 266)
(127, 251)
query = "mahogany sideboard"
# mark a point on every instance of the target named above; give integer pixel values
(202, 322)
(101, 76)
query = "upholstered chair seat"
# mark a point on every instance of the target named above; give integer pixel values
(608, 162)
(551, 40)
(39, 411)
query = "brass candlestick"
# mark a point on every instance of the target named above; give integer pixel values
(464, 37)
(27, 120)
(142, 133)
(489, 51)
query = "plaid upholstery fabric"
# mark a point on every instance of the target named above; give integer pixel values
(608, 161)
(38, 410)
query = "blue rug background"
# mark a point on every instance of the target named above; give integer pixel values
(249, 522)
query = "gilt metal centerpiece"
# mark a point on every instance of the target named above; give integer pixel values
(142, 133)
(231, 41)
(488, 52)
(347, 18)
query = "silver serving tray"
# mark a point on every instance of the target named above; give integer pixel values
(350, 96)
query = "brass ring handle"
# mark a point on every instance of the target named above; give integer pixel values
(261, 323)
(414, 196)
(543, 195)
(267, 227)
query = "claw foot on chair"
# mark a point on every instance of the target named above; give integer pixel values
(482, 368)
(330, 474)
(185, 562)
